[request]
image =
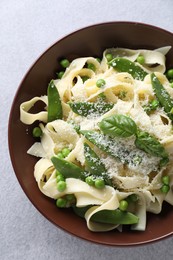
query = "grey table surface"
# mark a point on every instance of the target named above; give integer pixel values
(27, 28)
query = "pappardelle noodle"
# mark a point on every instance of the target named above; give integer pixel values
(105, 138)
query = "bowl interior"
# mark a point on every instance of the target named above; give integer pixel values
(90, 41)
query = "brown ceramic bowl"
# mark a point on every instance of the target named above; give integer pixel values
(90, 41)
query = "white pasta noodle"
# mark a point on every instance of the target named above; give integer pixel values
(128, 96)
(29, 118)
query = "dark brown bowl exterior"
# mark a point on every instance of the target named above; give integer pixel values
(90, 41)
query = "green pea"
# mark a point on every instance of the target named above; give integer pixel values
(100, 83)
(60, 74)
(99, 183)
(89, 180)
(109, 57)
(140, 59)
(123, 205)
(37, 132)
(166, 179)
(169, 73)
(91, 66)
(60, 155)
(64, 63)
(61, 203)
(61, 186)
(65, 152)
(84, 78)
(165, 188)
(60, 177)
(171, 84)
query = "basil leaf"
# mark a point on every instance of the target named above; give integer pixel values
(118, 125)
(151, 145)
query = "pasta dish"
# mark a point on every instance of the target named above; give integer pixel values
(105, 139)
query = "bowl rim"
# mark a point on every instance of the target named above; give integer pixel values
(10, 141)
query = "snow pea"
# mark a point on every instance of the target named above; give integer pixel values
(54, 103)
(125, 65)
(87, 108)
(81, 211)
(115, 217)
(108, 145)
(94, 164)
(109, 216)
(68, 169)
(162, 95)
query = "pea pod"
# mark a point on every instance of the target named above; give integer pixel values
(54, 103)
(109, 216)
(162, 95)
(68, 169)
(87, 108)
(108, 145)
(95, 166)
(115, 217)
(125, 65)
(81, 211)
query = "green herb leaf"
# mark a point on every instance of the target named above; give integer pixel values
(122, 94)
(152, 105)
(118, 125)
